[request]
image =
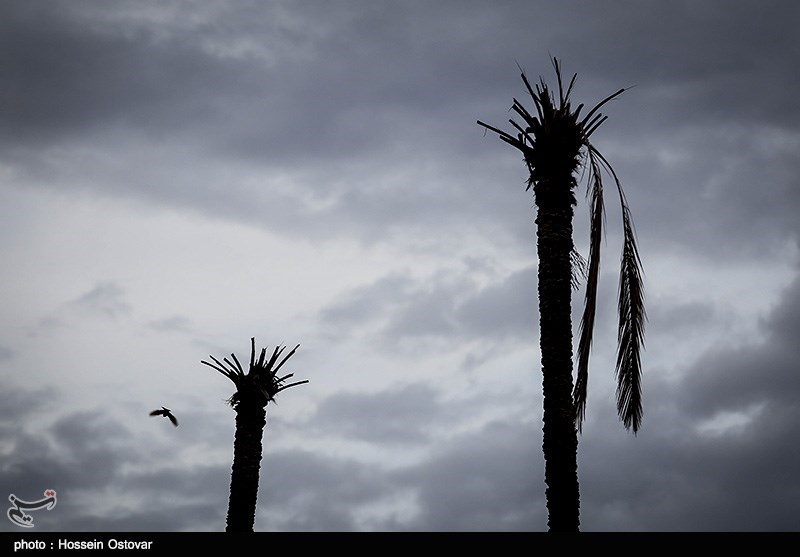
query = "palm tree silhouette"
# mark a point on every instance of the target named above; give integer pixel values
(254, 390)
(555, 144)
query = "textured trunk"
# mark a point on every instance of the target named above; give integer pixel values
(251, 417)
(554, 200)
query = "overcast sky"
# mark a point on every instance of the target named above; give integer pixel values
(178, 177)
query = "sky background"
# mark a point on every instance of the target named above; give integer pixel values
(176, 178)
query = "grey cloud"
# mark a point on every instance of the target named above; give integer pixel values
(162, 501)
(679, 317)
(446, 306)
(368, 302)
(177, 323)
(475, 480)
(74, 455)
(506, 308)
(106, 299)
(427, 312)
(400, 416)
(173, 76)
(742, 191)
(783, 322)
(28, 476)
(275, 105)
(305, 492)
(739, 75)
(72, 73)
(100, 473)
(672, 477)
(498, 310)
(485, 480)
(733, 378)
(18, 404)
(722, 426)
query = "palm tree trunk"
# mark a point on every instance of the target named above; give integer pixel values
(554, 200)
(251, 418)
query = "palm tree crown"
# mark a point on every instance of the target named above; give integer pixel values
(261, 383)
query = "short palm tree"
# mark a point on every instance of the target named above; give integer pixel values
(555, 144)
(254, 390)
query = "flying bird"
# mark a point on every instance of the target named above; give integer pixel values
(167, 413)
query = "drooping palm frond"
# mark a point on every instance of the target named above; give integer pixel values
(596, 210)
(632, 316)
(631, 313)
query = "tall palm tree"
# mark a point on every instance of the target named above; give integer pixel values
(254, 390)
(555, 145)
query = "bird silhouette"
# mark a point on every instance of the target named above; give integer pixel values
(167, 413)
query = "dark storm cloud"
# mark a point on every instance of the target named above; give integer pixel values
(733, 190)
(372, 109)
(742, 72)
(26, 477)
(366, 303)
(506, 308)
(694, 64)
(315, 86)
(20, 404)
(485, 480)
(332, 84)
(104, 478)
(734, 378)
(75, 454)
(426, 312)
(673, 477)
(130, 86)
(68, 73)
(303, 491)
(478, 479)
(678, 316)
(447, 305)
(713, 454)
(400, 416)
